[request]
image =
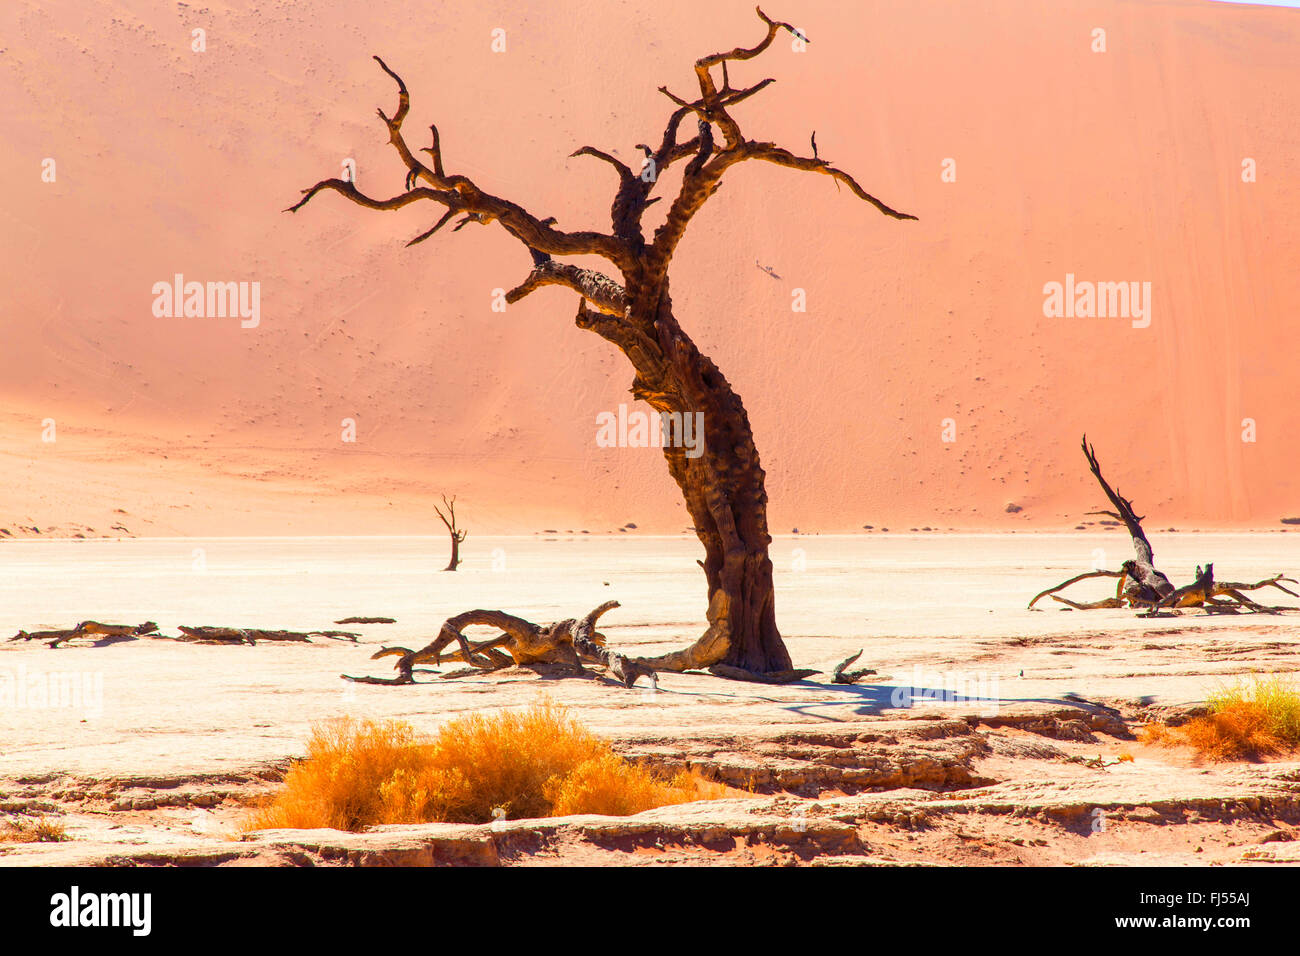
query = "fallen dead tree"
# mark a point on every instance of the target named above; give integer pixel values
(1142, 585)
(111, 633)
(251, 635)
(1207, 593)
(92, 629)
(567, 644)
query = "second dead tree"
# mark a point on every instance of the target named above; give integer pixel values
(457, 535)
(1142, 585)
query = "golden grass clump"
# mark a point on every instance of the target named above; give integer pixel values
(40, 830)
(1157, 734)
(534, 762)
(612, 786)
(1246, 720)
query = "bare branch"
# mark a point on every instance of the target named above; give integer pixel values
(350, 190)
(703, 176)
(1145, 571)
(624, 173)
(403, 97)
(740, 96)
(435, 151)
(703, 64)
(596, 287)
(460, 193)
(669, 150)
(714, 107)
(451, 509)
(696, 107)
(1078, 577)
(771, 153)
(446, 217)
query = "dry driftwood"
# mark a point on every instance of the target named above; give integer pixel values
(251, 635)
(1116, 601)
(367, 620)
(844, 676)
(568, 643)
(88, 629)
(723, 486)
(1205, 592)
(1142, 585)
(197, 635)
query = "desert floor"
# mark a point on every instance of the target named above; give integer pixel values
(990, 735)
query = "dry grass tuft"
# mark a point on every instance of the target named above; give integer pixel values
(1237, 731)
(1247, 720)
(41, 830)
(610, 785)
(1157, 734)
(528, 763)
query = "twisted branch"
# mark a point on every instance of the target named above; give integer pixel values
(461, 194)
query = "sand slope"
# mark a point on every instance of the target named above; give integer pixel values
(1115, 166)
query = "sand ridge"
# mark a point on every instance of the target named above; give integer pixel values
(1113, 167)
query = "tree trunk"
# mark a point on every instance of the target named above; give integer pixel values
(455, 553)
(722, 483)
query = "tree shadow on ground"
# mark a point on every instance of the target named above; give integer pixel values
(873, 700)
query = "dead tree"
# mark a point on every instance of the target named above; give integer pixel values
(1145, 583)
(1205, 592)
(457, 536)
(567, 643)
(723, 487)
(1141, 585)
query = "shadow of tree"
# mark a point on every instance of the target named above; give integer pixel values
(873, 700)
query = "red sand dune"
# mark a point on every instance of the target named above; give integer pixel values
(1115, 166)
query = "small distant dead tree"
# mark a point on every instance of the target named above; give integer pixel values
(723, 487)
(457, 535)
(1142, 585)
